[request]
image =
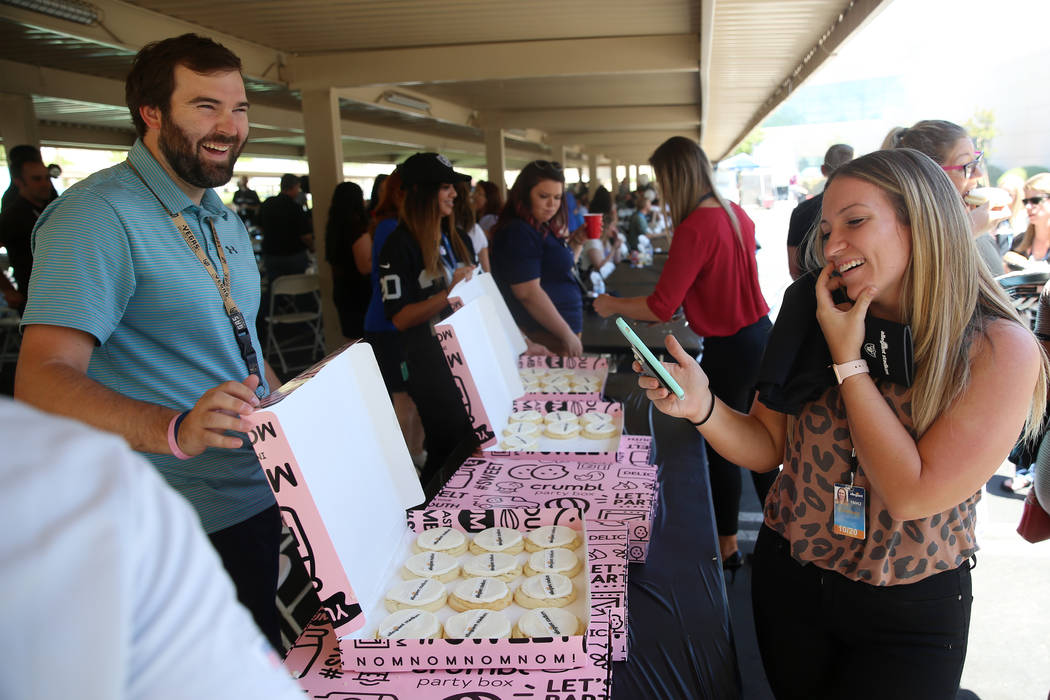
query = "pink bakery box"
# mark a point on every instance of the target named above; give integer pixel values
(482, 284)
(590, 365)
(316, 661)
(605, 491)
(363, 651)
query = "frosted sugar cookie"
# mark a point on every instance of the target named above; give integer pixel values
(525, 430)
(556, 385)
(436, 565)
(544, 591)
(517, 443)
(418, 593)
(497, 539)
(441, 539)
(596, 417)
(479, 593)
(552, 537)
(409, 624)
(596, 428)
(525, 417)
(560, 417)
(477, 624)
(532, 374)
(562, 430)
(553, 561)
(586, 385)
(505, 567)
(532, 387)
(547, 622)
(559, 372)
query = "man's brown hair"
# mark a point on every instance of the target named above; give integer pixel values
(152, 78)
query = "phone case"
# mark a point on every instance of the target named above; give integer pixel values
(648, 361)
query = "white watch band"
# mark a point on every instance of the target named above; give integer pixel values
(848, 369)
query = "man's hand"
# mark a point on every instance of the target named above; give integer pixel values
(604, 305)
(218, 410)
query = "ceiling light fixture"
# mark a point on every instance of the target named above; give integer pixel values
(72, 10)
(403, 100)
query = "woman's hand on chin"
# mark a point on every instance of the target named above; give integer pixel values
(843, 325)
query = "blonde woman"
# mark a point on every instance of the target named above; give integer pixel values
(878, 588)
(1034, 244)
(712, 273)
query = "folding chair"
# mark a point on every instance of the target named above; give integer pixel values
(289, 288)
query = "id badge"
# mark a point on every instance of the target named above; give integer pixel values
(849, 511)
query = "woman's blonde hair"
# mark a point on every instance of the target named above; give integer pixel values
(947, 296)
(684, 174)
(1039, 183)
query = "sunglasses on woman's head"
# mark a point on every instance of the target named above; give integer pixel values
(547, 165)
(967, 168)
(1036, 200)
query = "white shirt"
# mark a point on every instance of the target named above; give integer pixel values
(110, 588)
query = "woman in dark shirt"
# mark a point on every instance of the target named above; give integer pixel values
(419, 264)
(533, 261)
(348, 249)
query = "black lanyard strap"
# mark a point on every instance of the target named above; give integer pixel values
(241, 332)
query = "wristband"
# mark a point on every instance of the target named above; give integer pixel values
(848, 369)
(173, 435)
(710, 411)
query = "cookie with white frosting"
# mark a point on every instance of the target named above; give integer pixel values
(479, 593)
(547, 622)
(553, 561)
(599, 426)
(505, 567)
(562, 430)
(532, 374)
(544, 591)
(417, 593)
(556, 385)
(477, 624)
(441, 539)
(523, 430)
(497, 539)
(528, 416)
(552, 537)
(517, 443)
(561, 417)
(436, 565)
(410, 624)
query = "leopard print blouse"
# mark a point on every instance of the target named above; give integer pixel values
(800, 504)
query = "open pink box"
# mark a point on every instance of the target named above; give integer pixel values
(486, 373)
(312, 438)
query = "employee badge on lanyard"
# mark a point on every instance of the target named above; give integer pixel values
(849, 506)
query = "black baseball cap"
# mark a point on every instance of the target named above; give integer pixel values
(430, 169)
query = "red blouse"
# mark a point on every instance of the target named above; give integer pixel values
(711, 275)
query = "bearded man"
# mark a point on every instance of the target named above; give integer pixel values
(143, 301)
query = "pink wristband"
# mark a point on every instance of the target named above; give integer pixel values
(173, 444)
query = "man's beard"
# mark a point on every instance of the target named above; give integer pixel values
(182, 155)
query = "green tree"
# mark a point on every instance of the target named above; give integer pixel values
(981, 127)
(753, 138)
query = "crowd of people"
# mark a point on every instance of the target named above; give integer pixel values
(140, 291)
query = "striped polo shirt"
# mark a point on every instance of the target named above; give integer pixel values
(109, 261)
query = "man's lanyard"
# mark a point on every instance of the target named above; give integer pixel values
(240, 327)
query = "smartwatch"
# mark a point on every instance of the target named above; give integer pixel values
(848, 369)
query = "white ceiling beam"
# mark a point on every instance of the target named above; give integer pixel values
(440, 109)
(707, 42)
(588, 118)
(495, 61)
(126, 26)
(612, 138)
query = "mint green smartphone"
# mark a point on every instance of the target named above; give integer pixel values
(650, 365)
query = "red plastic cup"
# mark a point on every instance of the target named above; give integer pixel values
(594, 225)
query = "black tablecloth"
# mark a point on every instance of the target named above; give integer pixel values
(680, 639)
(600, 335)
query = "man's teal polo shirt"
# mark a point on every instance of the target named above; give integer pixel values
(109, 261)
